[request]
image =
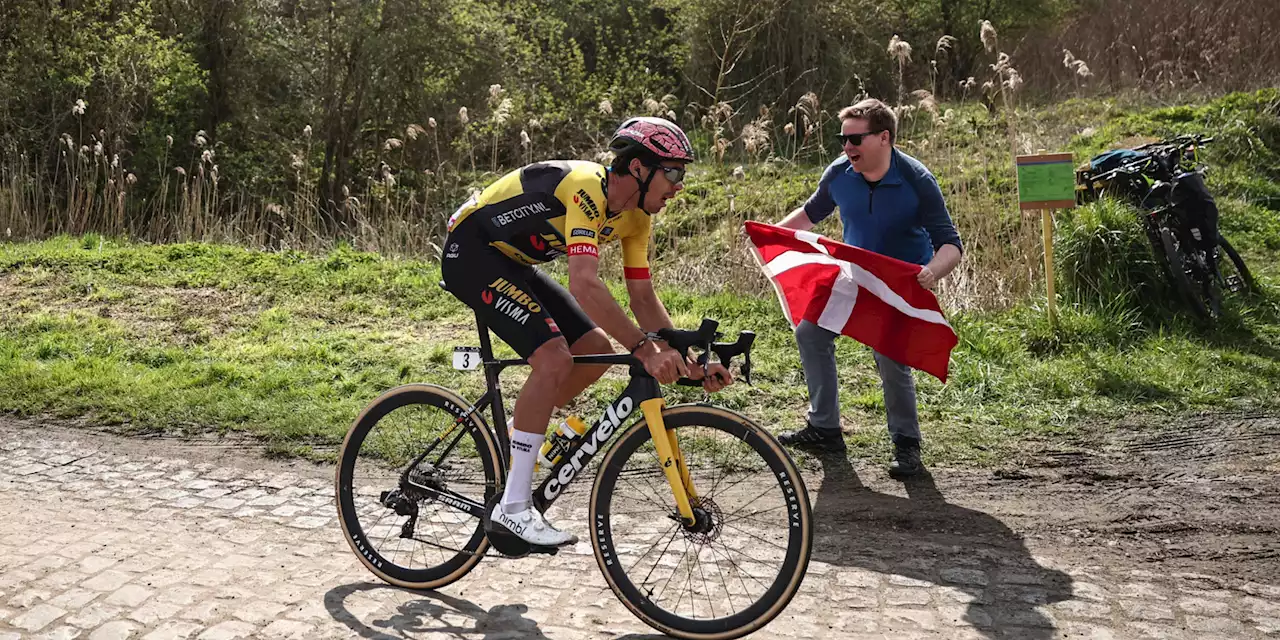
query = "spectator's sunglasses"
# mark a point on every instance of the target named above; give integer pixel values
(674, 175)
(855, 139)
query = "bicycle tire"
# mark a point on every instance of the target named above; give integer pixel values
(1246, 276)
(356, 531)
(1178, 272)
(777, 466)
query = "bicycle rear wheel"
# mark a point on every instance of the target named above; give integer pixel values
(410, 475)
(740, 565)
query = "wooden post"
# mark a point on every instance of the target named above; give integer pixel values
(1046, 220)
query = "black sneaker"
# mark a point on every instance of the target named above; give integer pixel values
(814, 439)
(906, 458)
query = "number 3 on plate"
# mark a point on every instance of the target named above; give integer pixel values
(466, 358)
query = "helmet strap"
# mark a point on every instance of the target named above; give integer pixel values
(644, 188)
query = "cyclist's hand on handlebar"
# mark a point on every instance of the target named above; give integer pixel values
(662, 362)
(717, 378)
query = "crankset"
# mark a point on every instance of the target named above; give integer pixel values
(506, 543)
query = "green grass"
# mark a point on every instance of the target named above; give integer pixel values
(290, 347)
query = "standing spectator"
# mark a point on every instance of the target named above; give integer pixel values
(890, 204)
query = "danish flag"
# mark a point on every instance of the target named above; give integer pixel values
(871, 298)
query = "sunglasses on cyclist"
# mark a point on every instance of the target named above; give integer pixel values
(674, 175)
(855, 139)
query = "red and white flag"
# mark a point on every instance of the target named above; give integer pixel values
(871, 298)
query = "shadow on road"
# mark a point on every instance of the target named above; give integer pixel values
(426, 614)
(922, 537)
(990, 573)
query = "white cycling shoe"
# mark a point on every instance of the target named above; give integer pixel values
(529, 525)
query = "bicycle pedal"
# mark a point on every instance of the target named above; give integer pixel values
(537, 548)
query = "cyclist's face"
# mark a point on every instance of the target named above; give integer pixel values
(668, 180)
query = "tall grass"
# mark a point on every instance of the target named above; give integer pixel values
(401, 210)
(1106, 260)
(1170, 48)
(91, 190)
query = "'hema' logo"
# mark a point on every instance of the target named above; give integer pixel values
(614, 415)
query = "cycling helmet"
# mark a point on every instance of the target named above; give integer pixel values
(658, 138)
(652, 140)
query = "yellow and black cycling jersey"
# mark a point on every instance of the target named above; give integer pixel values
(548, 209)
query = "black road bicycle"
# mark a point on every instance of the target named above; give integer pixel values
(1165, 181)
(699, 519)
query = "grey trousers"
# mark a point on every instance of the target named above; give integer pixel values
(818, 356)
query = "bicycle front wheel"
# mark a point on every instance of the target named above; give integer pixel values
(740, 564)
(412, 478)
(1235, 275)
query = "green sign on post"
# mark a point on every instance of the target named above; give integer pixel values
(1046, 181)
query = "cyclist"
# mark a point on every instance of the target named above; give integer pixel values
(537, 214)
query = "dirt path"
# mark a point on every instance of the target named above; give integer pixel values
(1136, 532)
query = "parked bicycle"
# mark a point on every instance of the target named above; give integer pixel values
(698, 518)
(1165, 181)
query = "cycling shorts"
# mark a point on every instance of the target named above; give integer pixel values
(519, 303)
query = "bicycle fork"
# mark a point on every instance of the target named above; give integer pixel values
(671, 459)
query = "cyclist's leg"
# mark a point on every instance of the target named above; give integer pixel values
(582, 376)
(583, 336)
(498, 290)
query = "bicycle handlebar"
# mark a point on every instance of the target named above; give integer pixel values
(702, 338)
(1195, 138)
(1137, 165)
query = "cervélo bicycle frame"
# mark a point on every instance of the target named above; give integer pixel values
(642, 392)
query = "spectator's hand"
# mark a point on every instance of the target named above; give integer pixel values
(662, 362)
(717, 378)
(926, 277)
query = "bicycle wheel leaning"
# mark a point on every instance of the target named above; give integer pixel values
(740, 565)
(1235, 275)
(1179, 270)
(408, 470)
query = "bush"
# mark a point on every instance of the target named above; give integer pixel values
(1105, 260)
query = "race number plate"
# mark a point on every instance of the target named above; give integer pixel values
(466, 358)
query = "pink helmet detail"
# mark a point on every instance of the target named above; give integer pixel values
(657, 136)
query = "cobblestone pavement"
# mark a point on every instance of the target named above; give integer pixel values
(103, 538)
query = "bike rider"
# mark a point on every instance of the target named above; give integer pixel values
(534, 215)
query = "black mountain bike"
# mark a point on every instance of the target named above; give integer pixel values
(1165, 181)
(699, 519)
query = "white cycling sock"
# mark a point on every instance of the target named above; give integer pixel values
(524, 451)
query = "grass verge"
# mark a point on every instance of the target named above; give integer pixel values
(291, 346)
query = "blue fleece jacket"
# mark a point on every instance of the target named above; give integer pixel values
(903, 217)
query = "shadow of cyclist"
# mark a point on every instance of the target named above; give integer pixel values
(923, 538)
(427, 614)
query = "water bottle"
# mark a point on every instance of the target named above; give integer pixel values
(559, 441)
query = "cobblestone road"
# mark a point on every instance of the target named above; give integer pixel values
(102, 540)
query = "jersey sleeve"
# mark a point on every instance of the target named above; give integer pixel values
(635, 249)
(584, 204)
(932, 210)
(821, 204)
